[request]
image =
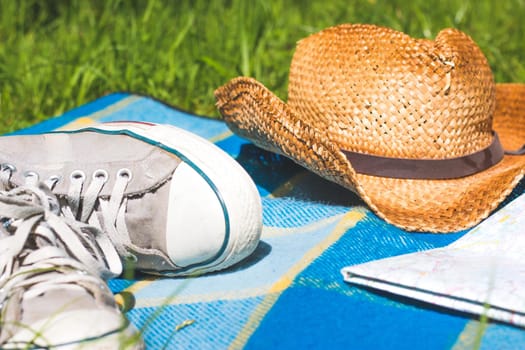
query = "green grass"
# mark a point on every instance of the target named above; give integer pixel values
(55, 55)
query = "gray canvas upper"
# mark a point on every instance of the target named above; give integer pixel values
(63, 155)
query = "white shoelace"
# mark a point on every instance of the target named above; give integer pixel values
(40, 251)
(81, 203)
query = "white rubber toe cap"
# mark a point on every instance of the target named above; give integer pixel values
(196, 226)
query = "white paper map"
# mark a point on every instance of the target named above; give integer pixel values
(483, 272)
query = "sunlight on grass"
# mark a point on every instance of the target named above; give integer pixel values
(55, 55)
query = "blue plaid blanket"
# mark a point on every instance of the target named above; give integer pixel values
(290, 293)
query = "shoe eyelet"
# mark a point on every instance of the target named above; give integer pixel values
(77, 175)
(55, 178)
(5, 222)
(125, 173)
(7, 166)
(100, 174)
(32, 174)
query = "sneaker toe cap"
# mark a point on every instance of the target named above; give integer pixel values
(197, 222)
(212, 222)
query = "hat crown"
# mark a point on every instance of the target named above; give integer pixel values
(379, 91)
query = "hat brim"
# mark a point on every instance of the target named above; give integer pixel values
(254, 112)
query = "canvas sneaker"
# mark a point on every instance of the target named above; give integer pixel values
(170, 201)
(51, 295)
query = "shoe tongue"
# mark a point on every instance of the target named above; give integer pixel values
(63, 154)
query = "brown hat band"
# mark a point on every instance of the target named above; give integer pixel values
(429, 169)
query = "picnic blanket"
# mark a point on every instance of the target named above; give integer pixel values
(290, 294)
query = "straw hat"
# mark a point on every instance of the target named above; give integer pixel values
(410, 125)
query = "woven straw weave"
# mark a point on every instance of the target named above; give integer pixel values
(374, 90)
(377, 86)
